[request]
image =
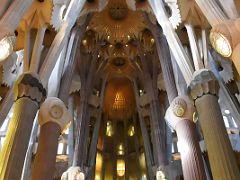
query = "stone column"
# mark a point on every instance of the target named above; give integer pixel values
(145, 135)
(212, 11)
(114, 153)
(197, 61)
(104, 147)
(26, 172)
(126, 150)
(168, 76)
(71, 131)
(60, 39)
(71, 58)
(93, 146)
(6, 105)
(29, 93)
(157, 121)
(166, 65)
(175, 45)
(83, 119)
(180, 117)
(4, 6)
(204, 91)
(137, 146)
(53, 118)
(94, 141)
(14, 13)
(230, 8)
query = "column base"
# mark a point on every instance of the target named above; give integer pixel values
(73, 172)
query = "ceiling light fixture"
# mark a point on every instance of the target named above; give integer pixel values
(131, 131)
(221, 44)
(6, 46)
(109, 130)
(120, 167)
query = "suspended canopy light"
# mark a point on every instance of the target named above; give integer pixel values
(221, 44)
(131, 131)
(109, 130)
(120, 149)
(6, 47)
(120, 167)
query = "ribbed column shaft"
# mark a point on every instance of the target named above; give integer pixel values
(126, 151)
(16, 143)
(14, 13)
(71, 132)
(93, 147)
(27, 168)
(44, 163)
(159, 133)
(158, 124)
(6, 106)
(212, 11)
(66, 79)
(166, 66)
(4, 6)
(222, 161)
(80, 151)
(192, 163)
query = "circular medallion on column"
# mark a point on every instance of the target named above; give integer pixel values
(181, 108)
(54, 110)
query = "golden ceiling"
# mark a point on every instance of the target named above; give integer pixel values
(117, 23)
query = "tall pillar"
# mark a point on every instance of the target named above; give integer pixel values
(157, 120)
(104, 147)
(126, 150)
(6, 105)
(73, 10)
(4, 6)
(175, 45)
(93, 146)
(145, 135)
(204, 91)
(180, 117)
(29, 93)
(87, 82)
(168, 76)
(94, 141)
(166, 65)
(114, 153)
(26, 172)
(212, 11)
(71, 131)
(53, 118)
(136, 144)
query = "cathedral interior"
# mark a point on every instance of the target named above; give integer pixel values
(119, 89)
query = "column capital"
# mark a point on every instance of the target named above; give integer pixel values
(29, 85)
(204, 82)
(54, 110)
(73, 172)
(181, 108)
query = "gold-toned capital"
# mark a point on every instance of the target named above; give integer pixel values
(204, 82)
(29, 85)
